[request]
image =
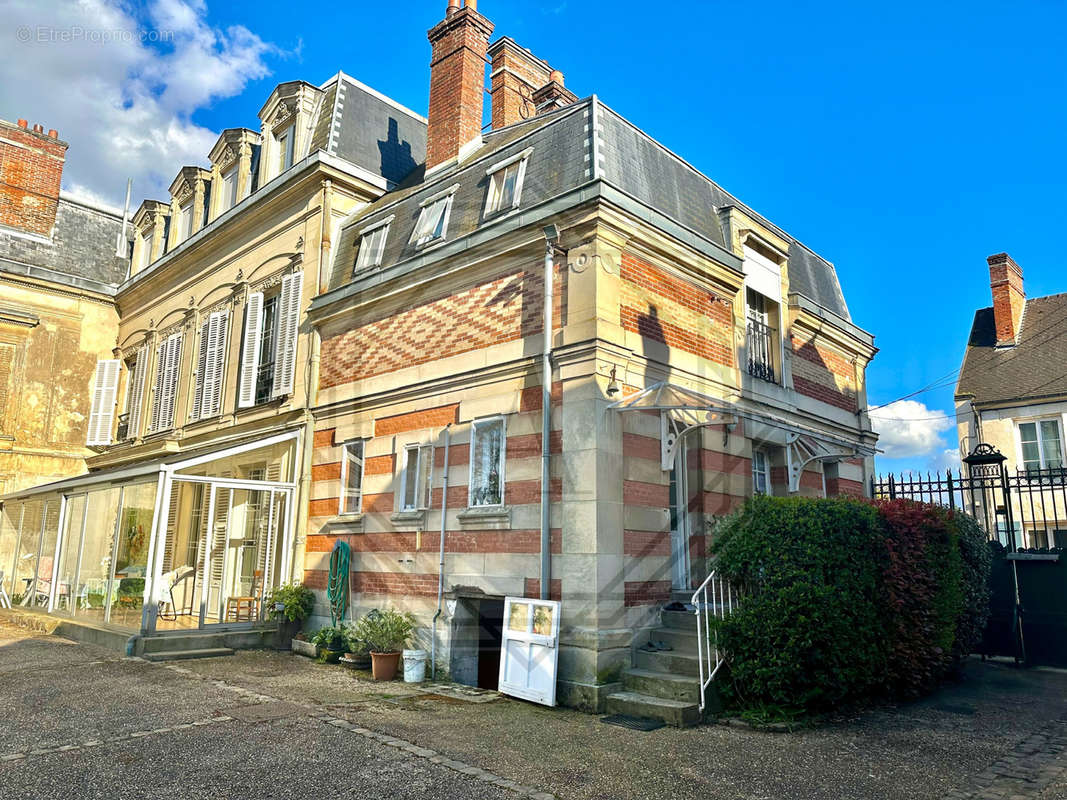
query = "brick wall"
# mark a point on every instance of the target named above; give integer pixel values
(31, 167)
(500, 310)
(823, 374)
(646, 593)
(674, 312)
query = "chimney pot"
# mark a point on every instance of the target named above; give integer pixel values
(53, 133)
(556, 76)
(23, 123)
(1009, 298)
(453, 7)
(38, 128)
(472, 4)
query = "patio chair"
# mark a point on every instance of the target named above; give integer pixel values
(168, 609)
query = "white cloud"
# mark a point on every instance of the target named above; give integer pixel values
(947, 459)
(907, 429)
(124, 105)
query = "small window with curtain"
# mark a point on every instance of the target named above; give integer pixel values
(415, 479)
(761, 473)
(487, 462)
(352, 477)
(1041, 445)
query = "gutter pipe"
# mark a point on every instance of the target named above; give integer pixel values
(551, 240)
(441, 562)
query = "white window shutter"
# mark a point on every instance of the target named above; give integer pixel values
(250, 350)
(136, 394)
(201, 370)
(214, 362)
(102, 412)
(169, 364)
(288, 324)
(158, 386)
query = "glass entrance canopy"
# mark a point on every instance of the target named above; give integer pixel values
(188, 543)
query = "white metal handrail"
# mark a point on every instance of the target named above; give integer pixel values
(714, 598)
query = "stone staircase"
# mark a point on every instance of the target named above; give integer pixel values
(665, 685)
(203, 644)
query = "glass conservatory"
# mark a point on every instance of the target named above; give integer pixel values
(188, 543)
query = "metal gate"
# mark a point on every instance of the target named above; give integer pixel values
(1025, 512)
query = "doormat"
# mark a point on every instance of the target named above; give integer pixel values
(263, 712)
(633, 723)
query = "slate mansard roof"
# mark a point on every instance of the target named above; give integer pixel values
(81, 251)
(368, 129)
(1034, 368)
(563, 148)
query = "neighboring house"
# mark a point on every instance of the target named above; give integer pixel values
(673, 304)
(198, 495)
(60, 261)
(1012, 394)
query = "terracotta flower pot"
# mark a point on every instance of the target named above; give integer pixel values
(384, 665)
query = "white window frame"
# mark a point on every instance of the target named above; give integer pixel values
(185, 222)
(1036, 422)
(369, 257)
(423, 492)
(285, 141)
(497, 173)
(485, 421)
(442, 199)
(144, 254)
(346, 493)
(228, 181)
(765, 472)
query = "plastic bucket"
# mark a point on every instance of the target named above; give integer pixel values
(414, 666)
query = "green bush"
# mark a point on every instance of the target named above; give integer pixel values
(845, 599)
(808, 631)
(384, 631)
(331, 638)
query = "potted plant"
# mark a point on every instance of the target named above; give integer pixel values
(385, 634)
(290, 604)
(357, 652)
(333, 641)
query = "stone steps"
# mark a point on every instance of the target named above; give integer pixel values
(662, 684)
(673, 712)
(683, 641)
(180, 655)
(670, 661)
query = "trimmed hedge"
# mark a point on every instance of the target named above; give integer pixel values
(844, 599)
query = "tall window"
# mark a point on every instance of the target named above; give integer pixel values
(351, 477)
(267, 337)
(760, 335)
(285, 148)
(371, 247)
(415, 488)
(487, 462)
(761, 473)
(144, 252)
(185, 221)
(1042, 446)
(228, 190)
(433, 219)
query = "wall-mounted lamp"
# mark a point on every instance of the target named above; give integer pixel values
(613, 386)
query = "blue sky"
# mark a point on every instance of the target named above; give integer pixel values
(903, 142)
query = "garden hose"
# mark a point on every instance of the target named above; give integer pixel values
(337, 588)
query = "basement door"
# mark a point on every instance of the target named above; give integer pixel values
(529, 651)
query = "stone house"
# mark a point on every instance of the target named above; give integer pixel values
(1012, 394)
(60, 261)
(697, 353)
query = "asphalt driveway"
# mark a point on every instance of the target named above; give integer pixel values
(82, 722)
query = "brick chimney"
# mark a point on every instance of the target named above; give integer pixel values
(553, 94)
(457, 81)
(1006, 281)
(31, 167)
(518, 80)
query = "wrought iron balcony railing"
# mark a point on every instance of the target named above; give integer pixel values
(123, 432)
(760, 351)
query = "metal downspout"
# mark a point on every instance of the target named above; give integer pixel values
(441, 562)
(551, 237)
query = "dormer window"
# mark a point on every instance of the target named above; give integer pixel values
(228, 190)
(185, 221)
(372, 245)
(285, 139)
(505, 183)
(433, 219)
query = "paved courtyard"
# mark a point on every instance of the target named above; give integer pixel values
(80, 722)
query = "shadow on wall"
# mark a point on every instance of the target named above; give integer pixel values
(396, 160)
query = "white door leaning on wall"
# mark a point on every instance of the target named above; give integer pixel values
(530, 649)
